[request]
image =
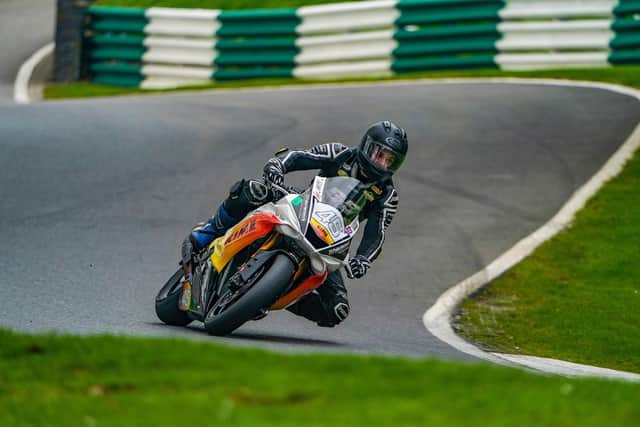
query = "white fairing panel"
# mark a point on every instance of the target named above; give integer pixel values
(331, 218)
(290, 227)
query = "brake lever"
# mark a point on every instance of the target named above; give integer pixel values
(347, 269)
(283, 191)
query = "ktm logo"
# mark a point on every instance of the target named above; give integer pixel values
(245, 229)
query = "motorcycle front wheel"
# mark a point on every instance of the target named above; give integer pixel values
(232, 310)
(168, 299)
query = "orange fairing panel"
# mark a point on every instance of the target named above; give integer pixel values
(305, 287)
(240, 236)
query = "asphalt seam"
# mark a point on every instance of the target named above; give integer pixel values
(23, 78)
(437, 319)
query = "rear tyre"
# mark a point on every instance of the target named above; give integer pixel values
(167, 302)
(223, 317)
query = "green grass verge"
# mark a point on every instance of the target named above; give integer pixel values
(216, 4)
(113, 381)
(577, 297)
(625, 75)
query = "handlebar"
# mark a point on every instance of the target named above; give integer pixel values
(281, 191)
(275, 188)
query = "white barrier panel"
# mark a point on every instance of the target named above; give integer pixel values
(182, 14)
(182, 28)
(360, 38)
(552, 41)
(369, 68)
(347, 17)
(185, 72)
(338, 40)
(556, 9)
(534, 61)
(173, 50)
(154, 82)
(180, 43)
(554, 26)
(182, 22)
(347, 53)
(358, 46)
(178, 56)
(346, 8)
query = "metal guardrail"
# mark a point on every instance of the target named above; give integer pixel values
(163, 47)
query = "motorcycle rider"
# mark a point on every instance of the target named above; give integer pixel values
(378, 156)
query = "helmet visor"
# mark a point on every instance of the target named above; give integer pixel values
(383, 158)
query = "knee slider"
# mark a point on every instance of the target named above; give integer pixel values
(335, 315)
(235, 204)
(258, 193)
(244, 196)
(341, 311)
(236, 189)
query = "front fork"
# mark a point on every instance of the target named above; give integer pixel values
(185, 296)
(187, 267)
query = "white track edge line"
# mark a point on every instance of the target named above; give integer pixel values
(437, 318)
(399, 82)
(21, 85)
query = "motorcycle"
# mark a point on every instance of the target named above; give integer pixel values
(276, 255)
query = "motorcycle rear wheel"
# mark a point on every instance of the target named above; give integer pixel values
(168, 299)
(262, 294)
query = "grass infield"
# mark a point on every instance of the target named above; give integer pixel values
(625, 75)
(577, 297)
(115, 381)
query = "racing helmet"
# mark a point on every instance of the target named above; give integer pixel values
(382, 150)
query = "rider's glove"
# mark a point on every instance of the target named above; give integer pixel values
(273, 172)
(358, 266)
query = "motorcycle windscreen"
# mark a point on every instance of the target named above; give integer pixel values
(240, 236)
(346, 194)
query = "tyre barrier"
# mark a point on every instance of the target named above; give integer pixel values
(169, 47)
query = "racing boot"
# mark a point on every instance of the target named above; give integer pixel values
(203, 234)
(200, 237)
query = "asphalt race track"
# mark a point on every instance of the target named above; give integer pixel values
(98, 194)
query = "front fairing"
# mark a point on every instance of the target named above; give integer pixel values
(290, 226)
(250, 229)
(322, 220)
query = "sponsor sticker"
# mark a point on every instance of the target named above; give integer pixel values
(244, 230)
(369, 196)
(376, 190)
(321, 231)
(318, 187)
(185, 298)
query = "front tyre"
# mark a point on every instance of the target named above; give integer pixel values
(168, 299)
(229, 313)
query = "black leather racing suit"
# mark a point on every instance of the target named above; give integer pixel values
(328, 305)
